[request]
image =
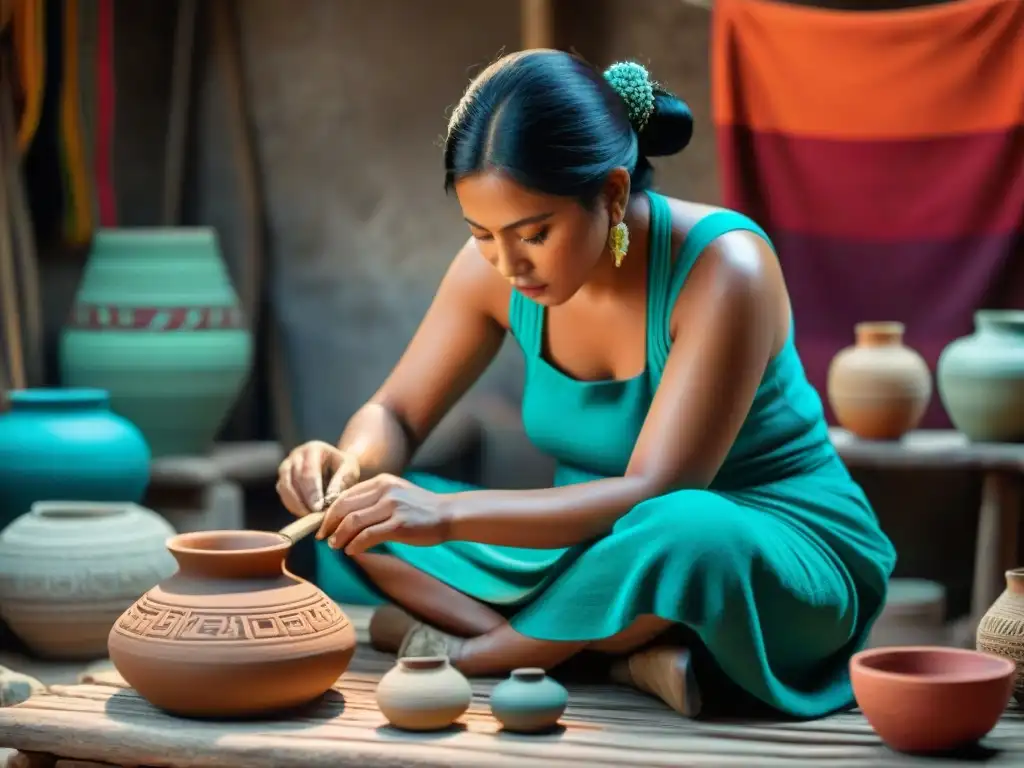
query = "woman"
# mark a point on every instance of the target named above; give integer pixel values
(697, 493)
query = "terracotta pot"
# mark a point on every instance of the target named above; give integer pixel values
(879, 388)
(1001, 630)
(69, 569)
(423, 694)
(923, 699)
(232, 633)
(981, 378)
(528, 701)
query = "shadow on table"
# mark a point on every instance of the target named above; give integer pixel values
(452, 730)
(127, 706)
(975, 754)
(457, 728)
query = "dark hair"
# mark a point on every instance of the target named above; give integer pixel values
(555, 125)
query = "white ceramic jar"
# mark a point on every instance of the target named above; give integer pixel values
(423, 694)
(69, 569)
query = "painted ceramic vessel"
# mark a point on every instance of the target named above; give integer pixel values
(1001, 630)
(981, 378)
(423, 694)
(529, 701)
(69, 569)
(67, 445)
(879, 388)
(232, 633)
(157, 323)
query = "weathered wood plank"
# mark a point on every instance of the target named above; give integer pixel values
(604, 725)
(115, 725)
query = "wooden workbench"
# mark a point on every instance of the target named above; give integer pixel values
(604, 726)
(1001, 467)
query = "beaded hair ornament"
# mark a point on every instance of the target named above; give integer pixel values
(633, 84)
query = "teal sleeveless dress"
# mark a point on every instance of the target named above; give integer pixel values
(778, 569)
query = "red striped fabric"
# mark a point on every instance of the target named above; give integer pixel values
(884, 154)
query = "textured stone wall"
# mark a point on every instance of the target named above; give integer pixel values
(350, 99)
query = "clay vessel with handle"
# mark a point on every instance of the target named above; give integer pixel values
(233, 633)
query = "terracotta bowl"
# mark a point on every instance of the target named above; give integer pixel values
(924, 699)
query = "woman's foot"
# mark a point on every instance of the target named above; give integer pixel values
(388, 627)
(392, 630)
(665, 672)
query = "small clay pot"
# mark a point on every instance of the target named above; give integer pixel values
(529, 701)
(879, 388)
(1001, 630)
(423, 693)
(927, 699)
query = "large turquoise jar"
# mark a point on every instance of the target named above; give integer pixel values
(157, 323)
(67, 445)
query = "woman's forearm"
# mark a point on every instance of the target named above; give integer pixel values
(550, 518)
(375, 436)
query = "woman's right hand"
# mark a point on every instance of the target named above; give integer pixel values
(301, 476)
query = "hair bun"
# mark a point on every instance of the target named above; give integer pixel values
(669, 128)
(662, 121)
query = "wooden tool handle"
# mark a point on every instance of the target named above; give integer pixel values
(304, 526)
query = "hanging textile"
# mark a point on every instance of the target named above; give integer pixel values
(884, 154)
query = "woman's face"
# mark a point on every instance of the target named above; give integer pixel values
(546, 246)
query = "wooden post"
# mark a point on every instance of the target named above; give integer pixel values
(538, 23)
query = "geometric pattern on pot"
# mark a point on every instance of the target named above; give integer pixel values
(94, 317)
(152, 619)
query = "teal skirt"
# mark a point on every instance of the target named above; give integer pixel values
(779, 585)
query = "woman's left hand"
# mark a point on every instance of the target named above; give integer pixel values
(385, 508)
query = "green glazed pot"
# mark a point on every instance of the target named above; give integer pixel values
(528, 701)
(981, 378)
(157, 323)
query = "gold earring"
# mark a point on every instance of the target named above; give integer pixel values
(618, 242)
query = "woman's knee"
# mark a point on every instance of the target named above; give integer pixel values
(642, 631)
(698, 525)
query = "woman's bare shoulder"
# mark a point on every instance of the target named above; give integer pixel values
(736, 263)
(475, 281)
(686, 214)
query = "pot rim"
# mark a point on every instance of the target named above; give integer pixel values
(423, 663)
(529, 674)
(71, 509)
(76, 397)
(880, 326)
(879, 333)
(1000, 668)
(199, 231)
(1011, 315)
(1014, 579)
(188, 543)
